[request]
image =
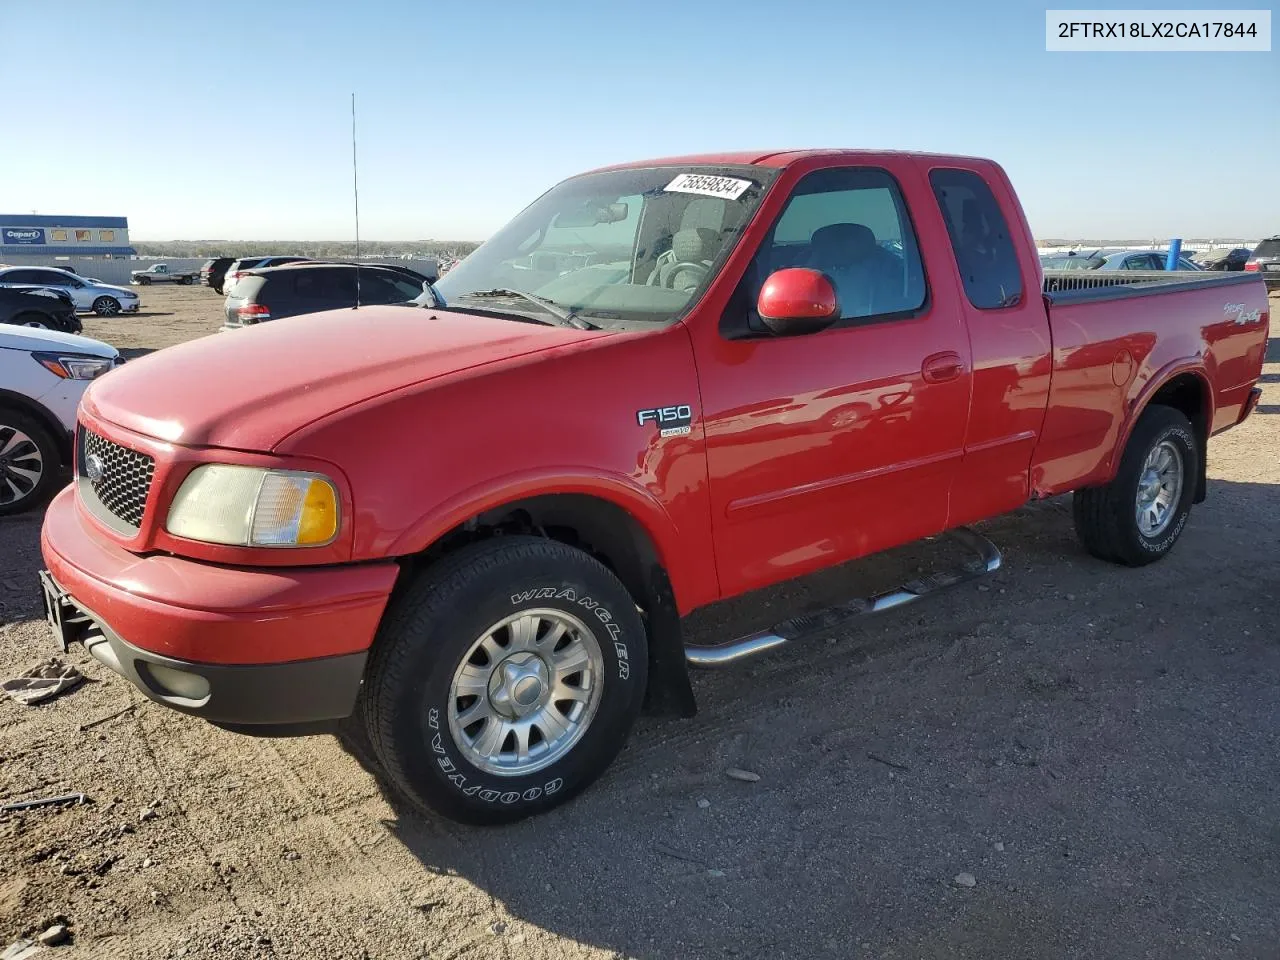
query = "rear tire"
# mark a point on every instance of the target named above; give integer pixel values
(30, 462)
(514, 620)
(1137, 518)
(144, 281)
(185, 281)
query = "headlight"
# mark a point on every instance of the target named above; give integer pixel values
(127, 295)
(71, 366)
(255, 507)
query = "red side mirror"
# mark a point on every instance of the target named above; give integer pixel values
(797, 300)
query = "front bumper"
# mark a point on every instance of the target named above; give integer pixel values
(237, 646)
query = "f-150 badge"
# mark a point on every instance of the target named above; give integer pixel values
(675, 421)
(1242, 316)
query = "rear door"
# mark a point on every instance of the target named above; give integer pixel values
(836, 444)
(1008, 331)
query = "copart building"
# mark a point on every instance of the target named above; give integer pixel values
(29, 239)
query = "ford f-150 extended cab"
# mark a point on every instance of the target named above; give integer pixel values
(477, 520)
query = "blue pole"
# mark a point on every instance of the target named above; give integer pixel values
(1175, 251)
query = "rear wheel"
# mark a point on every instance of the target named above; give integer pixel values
(185, 281)
(106, 306)
(144, 281)
(1137, 518)
(29, 461)
(504, 680)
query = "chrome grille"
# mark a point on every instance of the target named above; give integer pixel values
(117, 478)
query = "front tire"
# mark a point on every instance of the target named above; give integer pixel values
(30, 462)
(1137, 518)
(504, 680)
(106, 306)
(37, 320)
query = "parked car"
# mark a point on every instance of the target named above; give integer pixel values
(43, 374)
(40, 307)
(1223, 260)
(89, 295)
(244, 264)
(479, 522)
(285, 291)
(1265, 260)
(160, 273)
(214, 272)
(1114, 260)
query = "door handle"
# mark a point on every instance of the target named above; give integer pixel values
(942, 367)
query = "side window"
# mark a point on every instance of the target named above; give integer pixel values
(23, 276)
(379, 287)
(107, 236)
(58, 235)
(980, 239)
(851, 223)
(84, 235)
(51, 278)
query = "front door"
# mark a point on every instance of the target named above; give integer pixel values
(832, 445)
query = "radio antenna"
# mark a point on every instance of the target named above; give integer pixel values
(355, 189)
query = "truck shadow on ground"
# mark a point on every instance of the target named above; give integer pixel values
(1069, 732)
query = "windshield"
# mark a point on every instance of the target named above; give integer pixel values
(1268, 248)
(620, 246)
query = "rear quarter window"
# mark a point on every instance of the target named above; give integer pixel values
(980, 240)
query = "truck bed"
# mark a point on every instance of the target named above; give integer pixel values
(1117, 336)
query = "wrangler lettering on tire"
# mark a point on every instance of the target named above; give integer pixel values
(504, 679)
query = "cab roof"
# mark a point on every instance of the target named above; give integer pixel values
(770, 158)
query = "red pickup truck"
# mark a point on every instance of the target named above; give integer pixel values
(477, 519)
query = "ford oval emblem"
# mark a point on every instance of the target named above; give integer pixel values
(93, 467)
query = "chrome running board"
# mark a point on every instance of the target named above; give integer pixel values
(987, 560)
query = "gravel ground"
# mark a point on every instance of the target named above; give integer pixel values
(1094, 747)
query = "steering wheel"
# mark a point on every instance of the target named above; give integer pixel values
(698, 270)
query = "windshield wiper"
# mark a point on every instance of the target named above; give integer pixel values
(566, 317)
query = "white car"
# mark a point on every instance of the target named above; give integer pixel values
(43, 374)
(104, 299)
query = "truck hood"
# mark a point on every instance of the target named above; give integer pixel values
(248, 389)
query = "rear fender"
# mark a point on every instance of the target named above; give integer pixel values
(1139, 403)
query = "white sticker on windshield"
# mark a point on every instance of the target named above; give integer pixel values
(730, 188)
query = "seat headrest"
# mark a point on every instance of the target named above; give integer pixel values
(842, 241)
(694, 244)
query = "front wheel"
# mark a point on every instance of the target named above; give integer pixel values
(1137, 518)
(504, 680)
(106, 306)
(29, 461)
(37, 320)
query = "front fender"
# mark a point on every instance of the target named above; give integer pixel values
(619, 490)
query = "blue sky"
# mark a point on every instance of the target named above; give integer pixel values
(231, 120)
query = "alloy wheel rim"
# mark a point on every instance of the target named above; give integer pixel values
(21, 465)
(526, 691)
(1159, 488)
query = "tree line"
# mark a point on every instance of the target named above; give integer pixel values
(303, 248)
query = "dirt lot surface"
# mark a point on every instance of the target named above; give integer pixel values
(1097, 747)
